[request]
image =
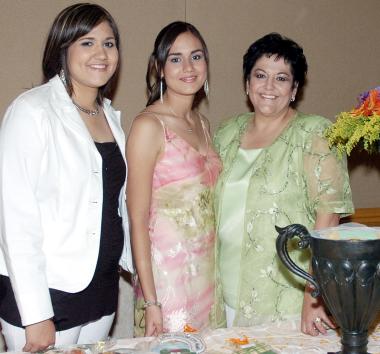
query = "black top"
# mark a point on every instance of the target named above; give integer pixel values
(100, 297)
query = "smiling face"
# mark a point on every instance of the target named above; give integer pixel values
(270, 86)
(185, 70)
(92, 59)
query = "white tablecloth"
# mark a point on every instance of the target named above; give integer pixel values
(284, 338)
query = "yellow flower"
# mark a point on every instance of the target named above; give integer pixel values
(360, 126)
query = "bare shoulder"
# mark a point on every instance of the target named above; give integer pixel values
(147, 126)
(147, 121)
(146, 136)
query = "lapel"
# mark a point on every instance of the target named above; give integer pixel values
(68, 115)
(113, 119)
(65, 111)
(228, 152)
(233, 146)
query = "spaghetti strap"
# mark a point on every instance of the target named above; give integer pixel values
(205, 133)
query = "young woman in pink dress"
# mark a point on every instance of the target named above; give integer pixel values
(172, 173)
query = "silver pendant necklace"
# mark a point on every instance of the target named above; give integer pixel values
(188, 129)
(90, 112)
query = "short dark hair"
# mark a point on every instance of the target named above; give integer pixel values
(281, 47)
(70, 24)
(157, 60)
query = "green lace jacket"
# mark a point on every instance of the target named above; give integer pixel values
(291, 180)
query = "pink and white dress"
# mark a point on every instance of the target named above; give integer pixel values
(182, 235)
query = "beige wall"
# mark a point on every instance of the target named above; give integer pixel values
(340, 39)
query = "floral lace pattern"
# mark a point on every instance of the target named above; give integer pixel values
(291, 180)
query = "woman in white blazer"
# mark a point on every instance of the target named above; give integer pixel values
(64, 226)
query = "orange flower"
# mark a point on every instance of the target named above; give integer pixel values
(370, 106)
(239, 341)
(188, 329)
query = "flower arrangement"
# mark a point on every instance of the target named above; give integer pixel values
(360, 126)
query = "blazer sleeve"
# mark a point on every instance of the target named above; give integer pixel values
(327, 180)
(22, 153)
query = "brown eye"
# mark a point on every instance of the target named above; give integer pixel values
(175, 60)
(86, 44)
(109, 44)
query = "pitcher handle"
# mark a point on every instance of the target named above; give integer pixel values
(285, 234)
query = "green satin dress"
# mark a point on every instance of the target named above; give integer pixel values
(231, 227)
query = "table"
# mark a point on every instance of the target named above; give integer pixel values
(283, 337)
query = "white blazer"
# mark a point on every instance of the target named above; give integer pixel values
(51, 194)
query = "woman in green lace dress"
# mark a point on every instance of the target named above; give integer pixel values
(278, 170)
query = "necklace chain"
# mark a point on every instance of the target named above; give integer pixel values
(90, 112)
(188, 129)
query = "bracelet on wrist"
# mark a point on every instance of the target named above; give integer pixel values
(151, 303)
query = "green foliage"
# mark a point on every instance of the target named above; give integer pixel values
(351, 131)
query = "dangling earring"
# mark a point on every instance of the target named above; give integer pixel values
(247, 93)
(292, 99)
(62, 76)
(161, 91)
(206, 88)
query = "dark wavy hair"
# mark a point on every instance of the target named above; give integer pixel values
(157, 59)
(72, 23)
(281, 47)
